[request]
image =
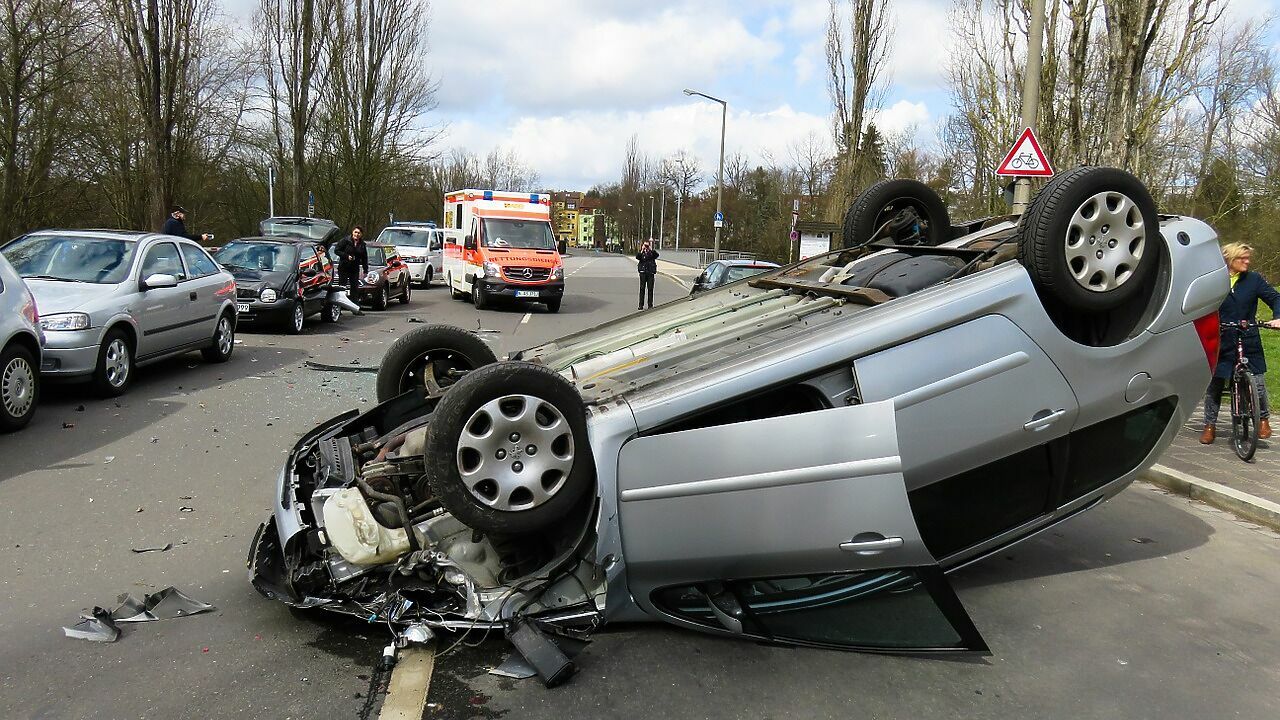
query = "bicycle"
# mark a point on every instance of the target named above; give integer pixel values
(1245, 411)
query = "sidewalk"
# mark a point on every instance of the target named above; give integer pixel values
(1214, 474)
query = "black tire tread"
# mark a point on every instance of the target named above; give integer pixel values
(413, 343)
(857, 228)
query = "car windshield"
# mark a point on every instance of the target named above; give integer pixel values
(534, 234)
(737, 272)
(73, 258)
(299, 227)
(263, 256)
(406, 237)
(377, 255)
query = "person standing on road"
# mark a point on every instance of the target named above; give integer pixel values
(176, 225)
(647, 263)
(1247, 288)
(353, 259)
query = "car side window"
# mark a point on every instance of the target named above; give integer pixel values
(198, 263)
(162, 258)
(436, 242)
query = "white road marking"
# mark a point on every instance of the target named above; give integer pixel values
(526, 317)
(410, 681)
(583, 265)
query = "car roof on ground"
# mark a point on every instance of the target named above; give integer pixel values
(749, 263)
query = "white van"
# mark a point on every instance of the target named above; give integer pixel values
(421, 246)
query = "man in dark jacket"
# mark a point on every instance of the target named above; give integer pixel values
(176, 225)
(647, 263)
(353, 258)
(1247, 288)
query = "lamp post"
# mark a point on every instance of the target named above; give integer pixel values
(650, 217)
(724, 111)
(662, 215)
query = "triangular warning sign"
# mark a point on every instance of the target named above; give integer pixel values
(1026, 159)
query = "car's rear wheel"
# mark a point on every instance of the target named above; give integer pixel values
(408, 290)
(508, 451)
(114, 371)
(224, 340)
(297, 318)
(432, 357)
(19, 387)
(903, 211)
(1089, 238)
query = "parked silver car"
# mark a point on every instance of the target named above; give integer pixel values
(111, 300)
(20, 350)
(798, 457)
(421, 246)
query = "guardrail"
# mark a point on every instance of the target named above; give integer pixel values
(701, 257)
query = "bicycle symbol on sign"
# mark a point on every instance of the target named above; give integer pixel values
(1025, 159)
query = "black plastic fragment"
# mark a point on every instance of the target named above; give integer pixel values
(541, 652)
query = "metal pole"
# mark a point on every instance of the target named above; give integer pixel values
(724, 111)
(271, 190)
(650, 217)
(1030, 94)
(678, 201)
(662, 215)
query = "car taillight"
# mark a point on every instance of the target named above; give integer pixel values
(1210, 338)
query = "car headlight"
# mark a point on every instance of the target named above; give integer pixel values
(371, 278)
(557, 272)
(267, 295)
(65, 321)
(491, 269)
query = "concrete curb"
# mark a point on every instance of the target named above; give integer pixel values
(1249, 507)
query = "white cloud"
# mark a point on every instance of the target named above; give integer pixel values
(922, 44)
(903, 115)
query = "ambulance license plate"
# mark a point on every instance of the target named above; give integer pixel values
(526, 293)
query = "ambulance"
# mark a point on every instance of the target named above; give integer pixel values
(500, 244)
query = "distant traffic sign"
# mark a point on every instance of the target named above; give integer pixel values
(1026, 159)
(719, 219)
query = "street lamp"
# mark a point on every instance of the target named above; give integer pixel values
(724, 111)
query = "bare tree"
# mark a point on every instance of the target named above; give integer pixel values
(504, 170)
(292, 44)
(681, 173)
(812, 161)
(856, 57)
(1229, 82)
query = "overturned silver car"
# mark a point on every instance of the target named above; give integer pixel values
(798, 457)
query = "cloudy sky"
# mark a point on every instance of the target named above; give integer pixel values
(565, 83)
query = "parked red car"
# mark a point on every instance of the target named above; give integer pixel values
(388, 277)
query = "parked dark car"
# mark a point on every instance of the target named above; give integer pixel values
(723, 272)
(279, 281)
(318, 230)
(388, 277)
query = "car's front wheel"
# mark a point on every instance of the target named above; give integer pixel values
(408, 290)
(114, 371)
(381, 300)
(508, 451)
(19, 387)
(224, 340)
(478, 296)
(553, 305)
(297, 318)
(433, 358)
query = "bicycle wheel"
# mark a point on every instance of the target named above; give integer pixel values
(1244, 414)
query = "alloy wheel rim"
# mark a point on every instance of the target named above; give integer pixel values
(17, 387)
(299, 317)
(334, 312)
(515, 453)
(225, 337)
(117, 363)
(1105, 241)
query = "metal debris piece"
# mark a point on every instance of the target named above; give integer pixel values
(165, 604)
(339, 368)
(514, 666)
(164, 548)
(95, 626)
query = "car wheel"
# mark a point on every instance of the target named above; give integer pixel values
(478, 296)
(408, 290)
(432, 357)
(331, 313)
(885, 201)
(224, 340)
(114, 371)
(508, 452)
(1089, 238)
(19, 387)
(381, 300)
(297, 318)
(426, 279)
(553, 305)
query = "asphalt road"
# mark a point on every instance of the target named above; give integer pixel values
(1149, 606)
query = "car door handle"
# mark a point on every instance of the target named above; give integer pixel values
(871, 545)
(193, 296)
(1041, 422)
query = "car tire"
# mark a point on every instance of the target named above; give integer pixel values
(297, 319)
(408, 290)
(478, 296)
(330, 313)
(114, 372)
(1089, 238)
(426, 278)
(224, 340)
(19, 387)
(553, 305)
(381, 300)
(883, 200)
(445, 347)
(490, 481)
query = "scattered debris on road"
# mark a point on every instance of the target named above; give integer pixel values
(340, 368)
(99, 625)
(165, 548)
(95, 626)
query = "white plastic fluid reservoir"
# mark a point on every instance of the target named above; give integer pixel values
(357, 537)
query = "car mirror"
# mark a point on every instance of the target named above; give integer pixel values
(159, 280)
(469, 243)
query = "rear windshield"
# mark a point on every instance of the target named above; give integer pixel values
(266, 257)
(534, 234)
(310, 229)
(406, 237)
(74, 258)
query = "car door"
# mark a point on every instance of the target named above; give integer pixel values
(162, 313)
(313, 282)
(795, 529)
(435, 251)
(206, 290)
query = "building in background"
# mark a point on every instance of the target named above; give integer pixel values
(565, 207)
